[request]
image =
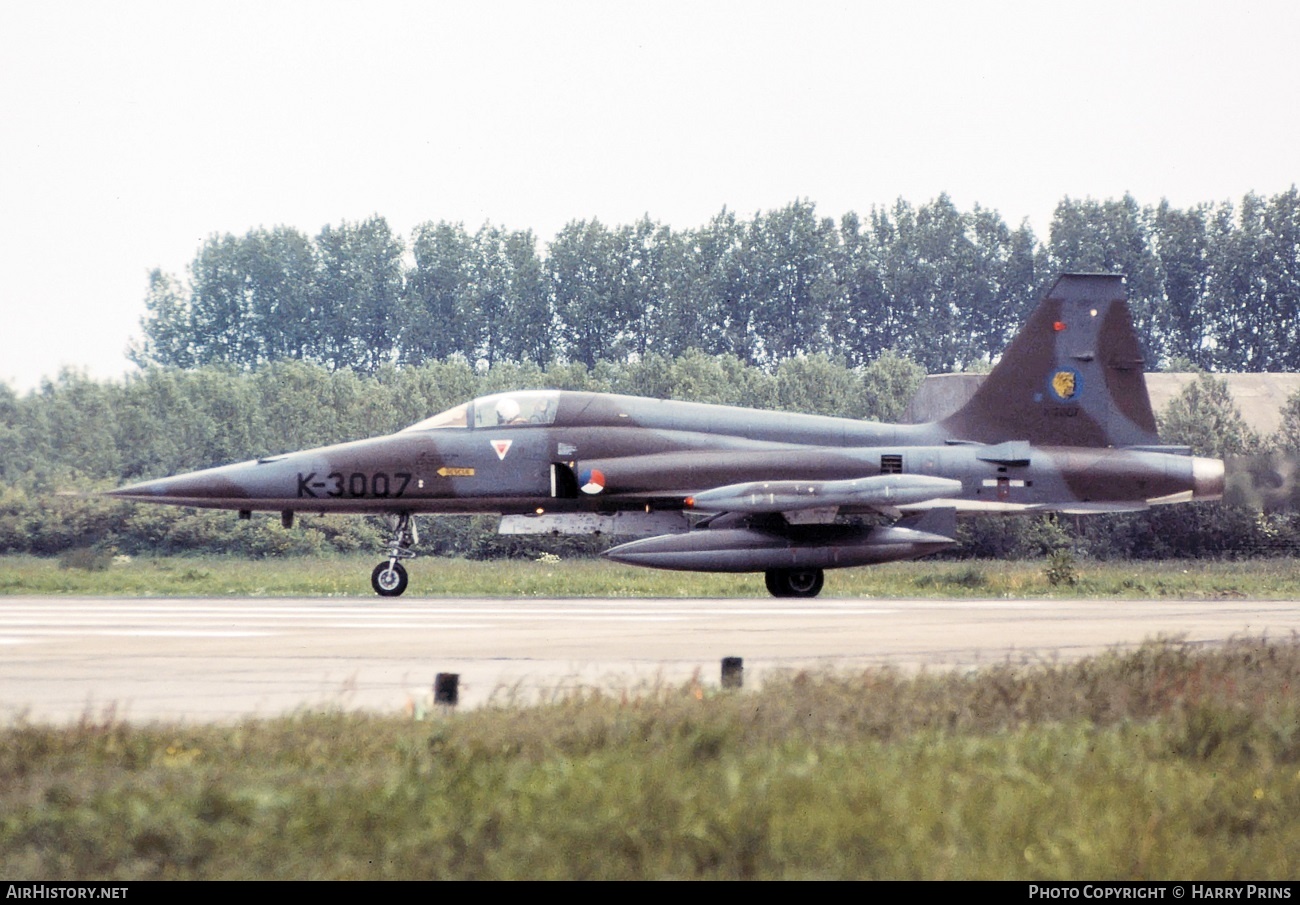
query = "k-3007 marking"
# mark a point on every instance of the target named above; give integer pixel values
(357, 484)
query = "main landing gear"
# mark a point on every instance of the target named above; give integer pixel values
(389, 578)
(795, 582)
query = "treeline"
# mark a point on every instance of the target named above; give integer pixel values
(78, 434)
(1215, 286)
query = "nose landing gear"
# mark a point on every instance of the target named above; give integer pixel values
(389, 578)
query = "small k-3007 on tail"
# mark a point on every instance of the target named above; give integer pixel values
(1063, 423)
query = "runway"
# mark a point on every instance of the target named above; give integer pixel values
(222, 660)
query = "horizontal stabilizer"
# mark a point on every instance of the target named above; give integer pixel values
(793, 496)
(938, 521)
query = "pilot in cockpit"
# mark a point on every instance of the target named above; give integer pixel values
(508, 412)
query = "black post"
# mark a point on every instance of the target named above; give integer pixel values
(733, 672)
(445, 689)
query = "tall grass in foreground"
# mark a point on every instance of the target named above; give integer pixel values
(1166, 762)
(349, 576)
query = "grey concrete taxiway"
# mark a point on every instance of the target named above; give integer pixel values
(67, 659)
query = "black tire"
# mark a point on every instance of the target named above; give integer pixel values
(389, 581)
(795, 582)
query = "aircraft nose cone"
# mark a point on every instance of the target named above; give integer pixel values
(228, 482)
(143, 491)
(1207, 479)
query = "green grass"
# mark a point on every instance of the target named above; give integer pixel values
(214, 576)
(1166, 762)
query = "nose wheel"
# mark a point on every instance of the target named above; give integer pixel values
(389, 578)
(795, 582)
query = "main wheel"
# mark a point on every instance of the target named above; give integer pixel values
(388, 581)
(795, 582)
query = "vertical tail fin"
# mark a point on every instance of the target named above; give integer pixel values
(1071, 377)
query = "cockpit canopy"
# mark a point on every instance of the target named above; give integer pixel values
(521, 408)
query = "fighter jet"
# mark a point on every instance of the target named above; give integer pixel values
(1063, 423)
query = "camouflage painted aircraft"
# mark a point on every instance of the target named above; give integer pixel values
(1062, 424)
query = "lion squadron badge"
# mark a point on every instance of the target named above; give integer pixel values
(1066, 385)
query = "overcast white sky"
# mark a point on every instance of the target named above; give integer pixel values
(131, 131)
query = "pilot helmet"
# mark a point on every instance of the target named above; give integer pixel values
(507, 411)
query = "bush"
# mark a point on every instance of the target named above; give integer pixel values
(1062, 569)
(88, 559)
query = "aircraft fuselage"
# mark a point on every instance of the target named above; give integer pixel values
(635, 453)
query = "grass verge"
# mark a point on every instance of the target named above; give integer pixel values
(1165, 762)
(349, 576)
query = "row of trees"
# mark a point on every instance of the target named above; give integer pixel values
(1214, 285)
